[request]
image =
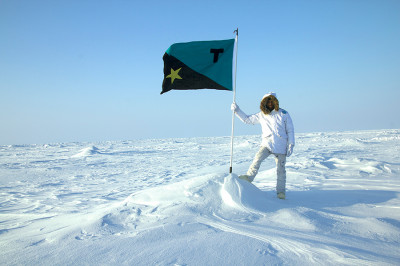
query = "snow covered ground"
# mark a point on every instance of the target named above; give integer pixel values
(172, 202)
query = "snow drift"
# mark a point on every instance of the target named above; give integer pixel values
(170, 202)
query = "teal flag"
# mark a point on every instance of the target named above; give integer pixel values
(199, 65)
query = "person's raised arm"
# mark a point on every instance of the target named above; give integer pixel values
(252, 119)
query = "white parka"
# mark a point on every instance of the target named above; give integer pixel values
(277, 128)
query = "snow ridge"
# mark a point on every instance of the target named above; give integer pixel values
(170, 202)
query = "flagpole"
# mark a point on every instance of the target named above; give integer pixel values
(234, 99)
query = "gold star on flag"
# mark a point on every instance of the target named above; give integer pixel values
(174, 75)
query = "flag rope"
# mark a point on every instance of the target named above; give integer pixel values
(234, 99)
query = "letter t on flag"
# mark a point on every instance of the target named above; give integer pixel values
(199, 65)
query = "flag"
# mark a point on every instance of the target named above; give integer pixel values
(199, 65)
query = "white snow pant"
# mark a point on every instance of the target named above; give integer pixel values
(280, 160)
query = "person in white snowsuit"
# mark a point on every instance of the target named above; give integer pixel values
(277, 138)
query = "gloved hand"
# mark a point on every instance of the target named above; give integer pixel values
(234, 106)
(289, 150)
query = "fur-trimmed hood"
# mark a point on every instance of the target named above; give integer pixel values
(263, 104)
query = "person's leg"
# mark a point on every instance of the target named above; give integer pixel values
(261, 155)
(280, 160)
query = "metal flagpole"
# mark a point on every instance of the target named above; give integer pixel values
(234, 98)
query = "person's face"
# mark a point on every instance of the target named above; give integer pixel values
(270, 105)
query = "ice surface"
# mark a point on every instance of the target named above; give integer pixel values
(172, 202)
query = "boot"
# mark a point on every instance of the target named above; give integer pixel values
(245, 177)
(281, 195)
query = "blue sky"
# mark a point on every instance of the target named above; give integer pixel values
(92, 70)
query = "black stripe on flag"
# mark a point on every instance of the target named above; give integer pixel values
(178, 76)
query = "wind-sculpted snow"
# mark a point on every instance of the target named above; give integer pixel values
(171, 202)
(87, 152)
